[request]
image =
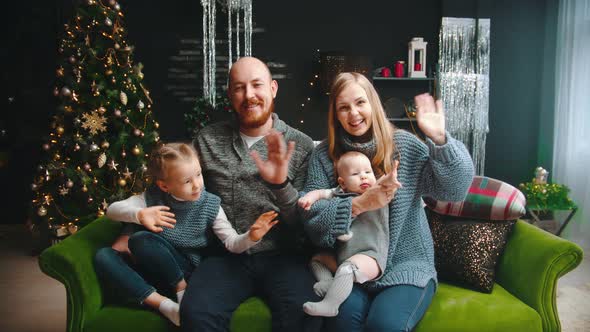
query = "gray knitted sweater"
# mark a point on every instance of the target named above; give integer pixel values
(230, 173)
(193, 220)
(442, 172)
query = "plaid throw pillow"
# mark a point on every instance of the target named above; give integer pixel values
(487, 199)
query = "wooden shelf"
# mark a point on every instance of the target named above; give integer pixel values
(379, 78)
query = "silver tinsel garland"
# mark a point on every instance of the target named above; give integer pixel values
(209, 26)
(464, 82)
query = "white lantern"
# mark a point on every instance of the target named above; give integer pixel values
(417, 67)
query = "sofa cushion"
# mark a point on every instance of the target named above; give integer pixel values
(487, 199)
(252, 315)
(466, 250)
(456, 309)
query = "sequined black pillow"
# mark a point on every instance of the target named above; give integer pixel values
(466, 250)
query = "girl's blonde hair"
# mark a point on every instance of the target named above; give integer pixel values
(381, 128)
(163, 155)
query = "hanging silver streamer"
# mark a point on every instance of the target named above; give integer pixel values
(247, 27)
(242, 23)
(464, 82)
(209, 25)
(209, 68)
(229, 34)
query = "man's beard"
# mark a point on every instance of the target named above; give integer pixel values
(252, 120)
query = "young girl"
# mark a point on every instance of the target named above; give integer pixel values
(362, 252)
(178, 212)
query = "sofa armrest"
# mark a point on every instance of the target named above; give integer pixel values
(71, 263)
(532, 262)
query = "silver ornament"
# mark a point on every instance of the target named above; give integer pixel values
(42, 211)
(34, 187)
(136, 132)
(140, 105)
(66, 92)
(108, 22)
(72, 59)
(69, 183)
(93, 147)
(117, 113)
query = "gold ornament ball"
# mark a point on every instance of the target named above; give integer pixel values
(136, 151)
(156, 125)
(69, 183)
(100, 213)
(108, 72)
(93, 147)
(60, 130)
(87, 166)
(105, 145)
(42, 211)
(84, 189)
(56, 157)
(95, 181)
(117, 113)
(122, 182)
(76, 147)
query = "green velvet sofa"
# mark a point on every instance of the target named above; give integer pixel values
(523, 298)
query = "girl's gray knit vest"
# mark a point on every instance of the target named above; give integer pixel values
(193, 219)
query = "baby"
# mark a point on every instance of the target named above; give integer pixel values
(362, 252)
(178, 212)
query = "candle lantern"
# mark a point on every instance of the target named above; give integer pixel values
(417, 57)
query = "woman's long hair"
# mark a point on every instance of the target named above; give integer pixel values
(381, 128)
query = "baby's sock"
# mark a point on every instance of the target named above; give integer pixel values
(321, 287)
(179, 296)
(170, 310)
(322, 275)
(336, 294)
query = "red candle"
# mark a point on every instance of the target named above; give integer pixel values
(398, 70)
(417, 67)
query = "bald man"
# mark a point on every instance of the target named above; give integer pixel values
(237, 167)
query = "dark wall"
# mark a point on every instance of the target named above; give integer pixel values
(520, 81)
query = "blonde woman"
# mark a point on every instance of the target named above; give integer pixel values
(394, 299)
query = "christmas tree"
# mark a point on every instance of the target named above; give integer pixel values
(103, 129)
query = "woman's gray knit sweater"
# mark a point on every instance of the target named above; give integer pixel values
(442, 172)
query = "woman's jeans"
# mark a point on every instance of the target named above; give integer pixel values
(158, 265)
(396, 308)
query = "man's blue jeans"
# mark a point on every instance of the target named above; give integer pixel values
(396, 308)
(158, 265)
(221, 283)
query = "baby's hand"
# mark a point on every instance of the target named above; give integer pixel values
(262, 225)
(306, 202)
(155, 217)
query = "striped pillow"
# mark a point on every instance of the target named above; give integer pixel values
(487, 199)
